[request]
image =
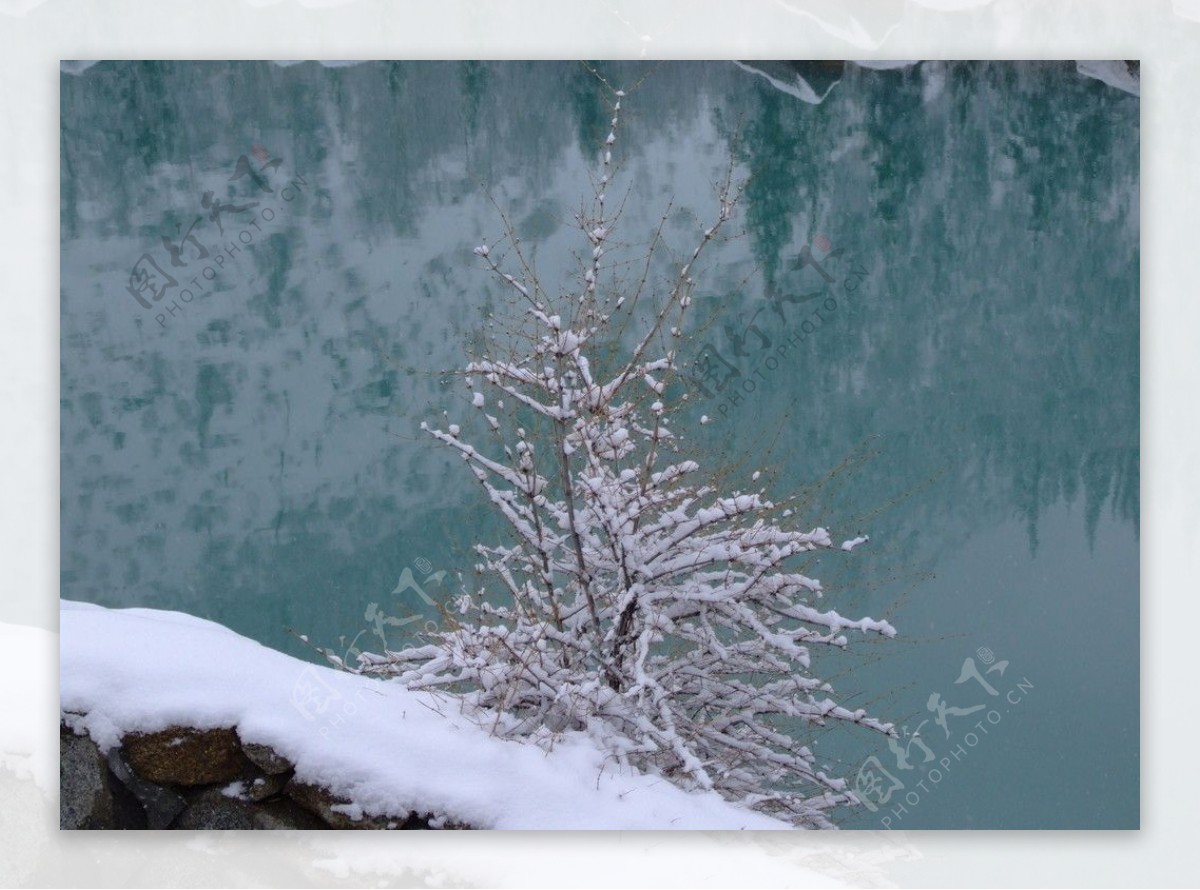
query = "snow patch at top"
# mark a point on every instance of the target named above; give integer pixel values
(1114, 73)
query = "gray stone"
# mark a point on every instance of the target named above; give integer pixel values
(112, 792)
(265, 787)
(160, 805)
(321, 802)
(85, 798)
(212, 810)
(265, 758)
(283, 814)
(128, 812)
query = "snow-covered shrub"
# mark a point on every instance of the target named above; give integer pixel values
(638, 600)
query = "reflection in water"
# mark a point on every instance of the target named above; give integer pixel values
(252, 456)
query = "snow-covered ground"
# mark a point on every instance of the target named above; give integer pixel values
(28, 729)
(387, 749)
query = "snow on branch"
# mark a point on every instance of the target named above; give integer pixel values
(635, 601)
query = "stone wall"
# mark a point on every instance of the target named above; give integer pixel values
(184, 778)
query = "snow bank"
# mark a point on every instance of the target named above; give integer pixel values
(28, 730)
(374, 742)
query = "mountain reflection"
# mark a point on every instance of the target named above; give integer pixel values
(254, 458)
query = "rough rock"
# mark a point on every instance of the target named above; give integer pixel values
(265, 787)
(265, 758)
(283, 814)
(85, 798)
(322, 802)
(184, 778)
(128, 812)
(181, 756)
(159, 805)
(214, 810)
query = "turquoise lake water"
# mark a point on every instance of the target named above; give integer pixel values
(244, 445)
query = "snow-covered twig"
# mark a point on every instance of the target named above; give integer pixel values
(636, 601)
